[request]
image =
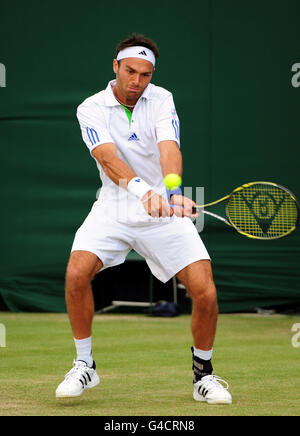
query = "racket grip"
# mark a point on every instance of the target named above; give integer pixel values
(194, 209)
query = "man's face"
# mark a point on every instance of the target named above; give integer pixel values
(133, 76)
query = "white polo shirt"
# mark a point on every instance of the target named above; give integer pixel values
(154, 119)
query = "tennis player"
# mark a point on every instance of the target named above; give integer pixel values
(132, 131)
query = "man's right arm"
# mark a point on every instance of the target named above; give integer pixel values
(100, 143)
(113, 166)
(117, 171)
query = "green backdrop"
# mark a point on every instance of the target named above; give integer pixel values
(229, 66)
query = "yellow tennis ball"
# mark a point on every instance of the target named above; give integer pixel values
(172, 181)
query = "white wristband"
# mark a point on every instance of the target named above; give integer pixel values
(138, 187)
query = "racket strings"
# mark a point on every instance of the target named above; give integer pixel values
(262, 211)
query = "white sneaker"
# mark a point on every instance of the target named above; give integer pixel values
(80, 377)
(210, 390)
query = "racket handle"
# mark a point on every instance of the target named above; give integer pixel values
(194, 209)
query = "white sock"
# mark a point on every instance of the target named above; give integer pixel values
(202, 354)
(84, 350)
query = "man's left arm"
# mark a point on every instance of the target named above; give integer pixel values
(171, 162)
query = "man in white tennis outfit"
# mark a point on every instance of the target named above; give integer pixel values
(132, 131)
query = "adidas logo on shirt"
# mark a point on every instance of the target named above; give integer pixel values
(133, 137)
(143, 53)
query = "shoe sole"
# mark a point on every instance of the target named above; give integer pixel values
(92, 384)
(200, 398)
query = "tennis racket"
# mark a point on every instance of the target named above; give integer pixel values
(259, 210)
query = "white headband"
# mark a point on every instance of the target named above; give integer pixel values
(137, 52)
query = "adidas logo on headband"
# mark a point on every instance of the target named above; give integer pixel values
(143, 53)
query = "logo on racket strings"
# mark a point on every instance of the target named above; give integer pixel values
(264, 208)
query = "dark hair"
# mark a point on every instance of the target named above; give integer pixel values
(138, 39)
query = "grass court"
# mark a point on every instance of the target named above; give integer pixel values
(145, 366)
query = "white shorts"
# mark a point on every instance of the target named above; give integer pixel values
(167, 247)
